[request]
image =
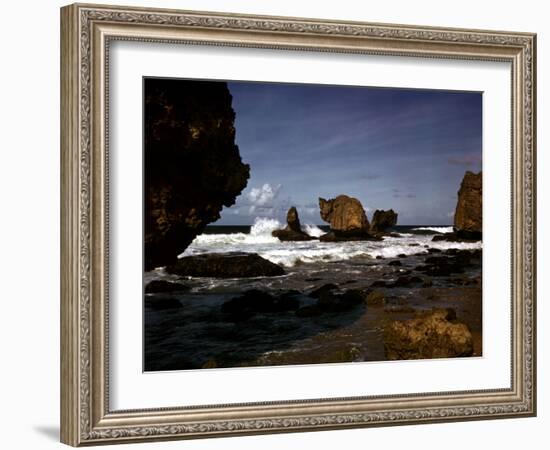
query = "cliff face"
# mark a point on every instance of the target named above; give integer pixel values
(192, 166)
(468, 220)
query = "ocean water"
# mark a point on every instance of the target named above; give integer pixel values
(193, 333)
(258, 239)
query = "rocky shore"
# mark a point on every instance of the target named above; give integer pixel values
(425, 305)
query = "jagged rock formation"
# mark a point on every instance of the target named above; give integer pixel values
(346, 217)
(468, 220)
(381, 220)
(192, 166)
(293, 230)
(436, 335)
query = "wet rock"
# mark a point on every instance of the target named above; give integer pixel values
(293, 230)
(395, 263)
(405, 281)
(382, 220)
(441, 266)
(325, 288)
(379, 257)
(436, 334)
(330, 302)
(401, 255)
(354, 297)
(256, 301)
(468, 220)
(225, 265)
(434, 250)
(376, 298)
(455, 237)
(158, 286)
(194, 168)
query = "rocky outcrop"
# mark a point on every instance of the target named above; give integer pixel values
(225, 265)
(192, 166)
(437, 334)
(346, 217)
(254, 301)
(468, 220)
(382, 220)
(293, 230)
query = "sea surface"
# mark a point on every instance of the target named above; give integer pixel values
(196, 335)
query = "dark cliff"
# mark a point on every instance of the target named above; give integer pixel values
(192, 166)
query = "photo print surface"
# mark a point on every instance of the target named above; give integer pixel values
(306, 224)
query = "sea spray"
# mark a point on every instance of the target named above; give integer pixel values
(288, 254)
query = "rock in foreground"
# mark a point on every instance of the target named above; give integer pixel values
(293, 230)
(194, 168)
(468, 220)
(382, 220)
(436, 335)
(225, 265)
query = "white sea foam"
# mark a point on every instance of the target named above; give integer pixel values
(435, 229)
(264, 225)
(289, 254)
(312, 230)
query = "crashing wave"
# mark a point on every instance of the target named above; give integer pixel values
(435, 229)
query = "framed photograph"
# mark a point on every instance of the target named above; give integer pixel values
(276, 224)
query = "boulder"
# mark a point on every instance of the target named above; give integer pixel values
(347, 219)
(192, 165)
(468, 220)
(254, 301)
(225, 265)
(381, 220)
(437, 334)
(293, 230)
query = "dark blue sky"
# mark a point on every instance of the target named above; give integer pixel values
(404, 149)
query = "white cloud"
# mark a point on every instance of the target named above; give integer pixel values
(263, 195)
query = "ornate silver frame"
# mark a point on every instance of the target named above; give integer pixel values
(86, 31)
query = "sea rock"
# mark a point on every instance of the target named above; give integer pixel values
(157, 286)
(193, 166)
(329, 287)
(405, 281)
(454, 261)
(381, 220)
(457, 236)
(254, 301)
(376, 298)
(347, 219)
(293, 230)
(225, 265)
(468, 220)
(395, 262)
(435, 335)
